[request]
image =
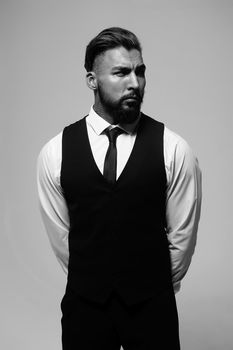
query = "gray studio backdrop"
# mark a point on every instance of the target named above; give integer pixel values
(188, 50)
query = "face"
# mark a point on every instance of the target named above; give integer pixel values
(120, 83)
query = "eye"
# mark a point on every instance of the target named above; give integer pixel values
(140, 72)
(121, 72)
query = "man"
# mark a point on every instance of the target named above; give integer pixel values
(120, 197)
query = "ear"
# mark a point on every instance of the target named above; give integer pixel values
(91, 80)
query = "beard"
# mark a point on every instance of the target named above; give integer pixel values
(124, 111)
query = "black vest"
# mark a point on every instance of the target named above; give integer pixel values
(117, 237)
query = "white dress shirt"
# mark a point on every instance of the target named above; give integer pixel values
(183, 192)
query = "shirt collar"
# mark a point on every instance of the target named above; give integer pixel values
(98, 124)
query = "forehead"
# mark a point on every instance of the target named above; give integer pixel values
(119, 56)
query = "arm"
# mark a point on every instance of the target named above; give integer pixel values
(183, 207)
(51, 200)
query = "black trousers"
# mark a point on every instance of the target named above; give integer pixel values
(150, 324)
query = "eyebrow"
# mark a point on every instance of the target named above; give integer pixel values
(141, 66)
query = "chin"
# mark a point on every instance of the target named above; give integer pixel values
(128, 114)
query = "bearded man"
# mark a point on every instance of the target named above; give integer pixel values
(120, 197)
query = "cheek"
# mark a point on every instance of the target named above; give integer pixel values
(112, 87)
(115, 89)
(142, 84)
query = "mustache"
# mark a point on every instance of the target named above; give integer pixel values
(134, 95)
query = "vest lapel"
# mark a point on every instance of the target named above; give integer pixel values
(88, 151)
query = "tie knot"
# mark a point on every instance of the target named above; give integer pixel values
(113, 133)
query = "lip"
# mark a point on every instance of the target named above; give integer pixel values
(133, 98)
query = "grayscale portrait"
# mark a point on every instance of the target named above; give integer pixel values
(116, 168)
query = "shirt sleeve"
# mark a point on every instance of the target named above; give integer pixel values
(52, 203)
(183, 205)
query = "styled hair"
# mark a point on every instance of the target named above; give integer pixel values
(109, 38)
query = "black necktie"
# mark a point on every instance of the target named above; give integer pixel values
(110, 162)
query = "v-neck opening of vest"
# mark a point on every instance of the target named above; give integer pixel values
(111, 185)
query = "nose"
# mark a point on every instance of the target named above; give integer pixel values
(133, 81)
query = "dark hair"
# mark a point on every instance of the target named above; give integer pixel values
(109, 39)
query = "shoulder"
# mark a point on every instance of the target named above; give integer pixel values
(75, 127)
(50, 154)
(178, 152)
(172, 140)
(52, 147)
(175, 142)
(151, 122)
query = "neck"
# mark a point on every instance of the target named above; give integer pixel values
(99, 109)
